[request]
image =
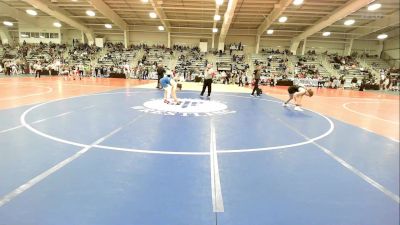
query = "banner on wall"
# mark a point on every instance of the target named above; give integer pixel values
(203, 46)
(99, 42)
(39, 36)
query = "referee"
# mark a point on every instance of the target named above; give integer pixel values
(209, 73)
(160, 74)
(257, 74)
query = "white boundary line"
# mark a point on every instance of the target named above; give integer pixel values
(328, 132)
(10, 196)
(29, 127)
(67, 84)
(341, 97)
(357, 172)
(218, 202)
(331, 128)
(370, 131)
(367, 115)
(10, 129)
(42, 120)
(42, 176)
(21, 189)
(59, 115)
(392, 139)
(49, 90)
(348, 166)
(151, 151)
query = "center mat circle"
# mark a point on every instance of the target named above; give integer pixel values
(188, 105)
(61, 140)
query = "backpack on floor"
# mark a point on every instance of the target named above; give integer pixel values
(259, 91)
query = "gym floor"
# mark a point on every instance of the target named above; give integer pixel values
(107, 151)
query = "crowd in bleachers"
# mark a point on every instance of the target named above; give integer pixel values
(234, 47)
(344, 62)
(27, 58)
(388, 79)
(182, 48)
(276, 51)
(302, 69)
(89, 60)
(190, 63)
(364, 55)
(229, 47)
(238, 58)
(273, 65)
(278, 63)
(82, 53)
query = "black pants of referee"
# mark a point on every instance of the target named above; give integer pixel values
(37, 73)
(255, 87)
(207, 83)
(158, 81)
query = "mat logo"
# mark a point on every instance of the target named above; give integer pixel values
(188, 107)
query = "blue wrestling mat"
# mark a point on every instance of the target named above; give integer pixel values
(127, 158)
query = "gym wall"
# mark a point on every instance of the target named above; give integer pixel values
(391, 51)
(390, 48)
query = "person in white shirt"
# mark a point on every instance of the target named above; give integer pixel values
(209, 74)
(38, 70)
(223, 75)
(297, 92)
(382, 80)
(14, 70)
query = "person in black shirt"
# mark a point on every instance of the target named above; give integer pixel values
(257, 74)
(354, 82)
(160, 74)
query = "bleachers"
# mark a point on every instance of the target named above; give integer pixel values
(117, 58)
(9, 53)
(276, 61)
(239, 60)
(39, 55)
(1, 52)
(190, 62)
(114, 58)
(349, 70)
(224, 62)
(151, 58)
(354, 72)
(154, 56)
(314, 62)
(82, 54)
(377, 63)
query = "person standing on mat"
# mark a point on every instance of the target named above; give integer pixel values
(169, 85)
(257, 75)
(209, 73)
(297, 93)
(160, 74)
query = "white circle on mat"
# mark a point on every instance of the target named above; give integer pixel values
(57, 139)
(188, 105)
